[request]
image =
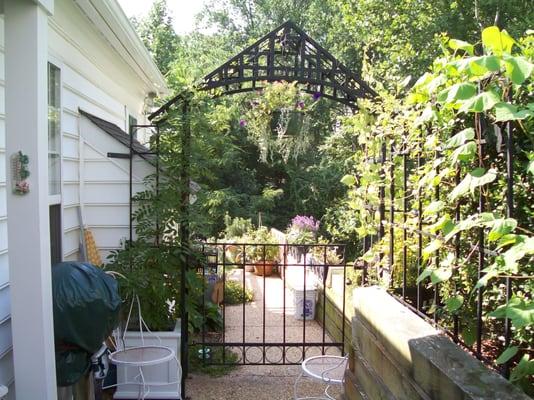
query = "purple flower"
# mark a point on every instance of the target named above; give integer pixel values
(300, 104)
(316, 96)
(242, 123)
(305, 223)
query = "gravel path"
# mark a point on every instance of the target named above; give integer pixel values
(269, 381)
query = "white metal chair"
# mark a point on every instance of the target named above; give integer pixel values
(143, 356)
(327, 369)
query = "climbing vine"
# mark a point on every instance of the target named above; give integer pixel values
(463, 220)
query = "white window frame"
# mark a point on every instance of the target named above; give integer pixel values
(57, 198)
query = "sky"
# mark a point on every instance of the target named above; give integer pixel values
(182, 11)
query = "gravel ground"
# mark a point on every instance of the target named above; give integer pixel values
(270, 381)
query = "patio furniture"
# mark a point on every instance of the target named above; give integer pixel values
(143, 356)
(329, 370)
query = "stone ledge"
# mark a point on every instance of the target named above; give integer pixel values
(400, 356)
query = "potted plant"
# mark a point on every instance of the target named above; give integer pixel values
(151, 274)
(263, 254)
(302, 231)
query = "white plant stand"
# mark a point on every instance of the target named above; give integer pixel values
(156, 376)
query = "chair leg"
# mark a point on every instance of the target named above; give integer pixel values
(295, 387)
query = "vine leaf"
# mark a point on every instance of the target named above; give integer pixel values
(434, 208)
(477, 177)
(519, 311)
(509, 112)
(501, 227)
(523, 369)
(440, 275)
(464, 153)
(454, 303)
(518, 69)
(459, 91)
(481, 102)
(469, 336)
(434, 246)
(460, 138)
(348, 180)
(507, 354)
(497, 41)
(457, 44)
(482, 65)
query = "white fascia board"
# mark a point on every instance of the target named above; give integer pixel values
(109, 19)
(46, 5)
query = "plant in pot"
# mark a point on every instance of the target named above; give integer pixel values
(236, 232)
(263, 253)
(302, 231)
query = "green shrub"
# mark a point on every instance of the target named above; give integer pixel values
(233, 293)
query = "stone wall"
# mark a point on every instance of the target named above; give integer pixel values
(396, 355)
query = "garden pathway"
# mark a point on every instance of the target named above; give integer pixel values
(273, 382)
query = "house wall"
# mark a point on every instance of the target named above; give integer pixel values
(6, 353)
(95, 79)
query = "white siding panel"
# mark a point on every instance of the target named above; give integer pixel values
(6, 368)
(3, 206)
(104, 171)
(4, 269)
(5, 336)
(89, 92)
(3, 235)
(3, 167)
(4, 303)
(71, 257)
(109, 237)
(70, 218)
(69, 147)
(108, 215)
(71, 241)
(70, 170)
(2, 68)
(106, 194)
(73, 101)
(69, 123)
(70, 195)
(2, 100)
(2, 132)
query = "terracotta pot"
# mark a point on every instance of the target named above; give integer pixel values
(267, 271)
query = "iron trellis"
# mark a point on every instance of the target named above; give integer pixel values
(287, 53)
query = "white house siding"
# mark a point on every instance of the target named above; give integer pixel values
(95, 79)
(6, 354)
(105, 189)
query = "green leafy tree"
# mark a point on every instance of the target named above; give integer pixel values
(158, 35)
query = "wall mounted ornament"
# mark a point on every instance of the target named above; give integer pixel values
(20, 173)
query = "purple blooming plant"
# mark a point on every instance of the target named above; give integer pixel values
(304, 223)
(242, 123)
(316, 96)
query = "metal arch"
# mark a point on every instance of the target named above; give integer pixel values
(285, 54)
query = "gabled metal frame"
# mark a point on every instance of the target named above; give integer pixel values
(285, 54)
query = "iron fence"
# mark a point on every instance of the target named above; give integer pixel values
(490, 336)
(266, 335)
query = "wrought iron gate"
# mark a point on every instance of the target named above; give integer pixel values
(279, 326)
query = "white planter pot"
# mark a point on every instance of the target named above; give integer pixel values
(158, 375)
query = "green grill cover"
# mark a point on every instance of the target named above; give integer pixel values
(86, 310)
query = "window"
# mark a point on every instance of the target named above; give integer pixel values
(56, 255)
(131, 122)
(54, 130)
